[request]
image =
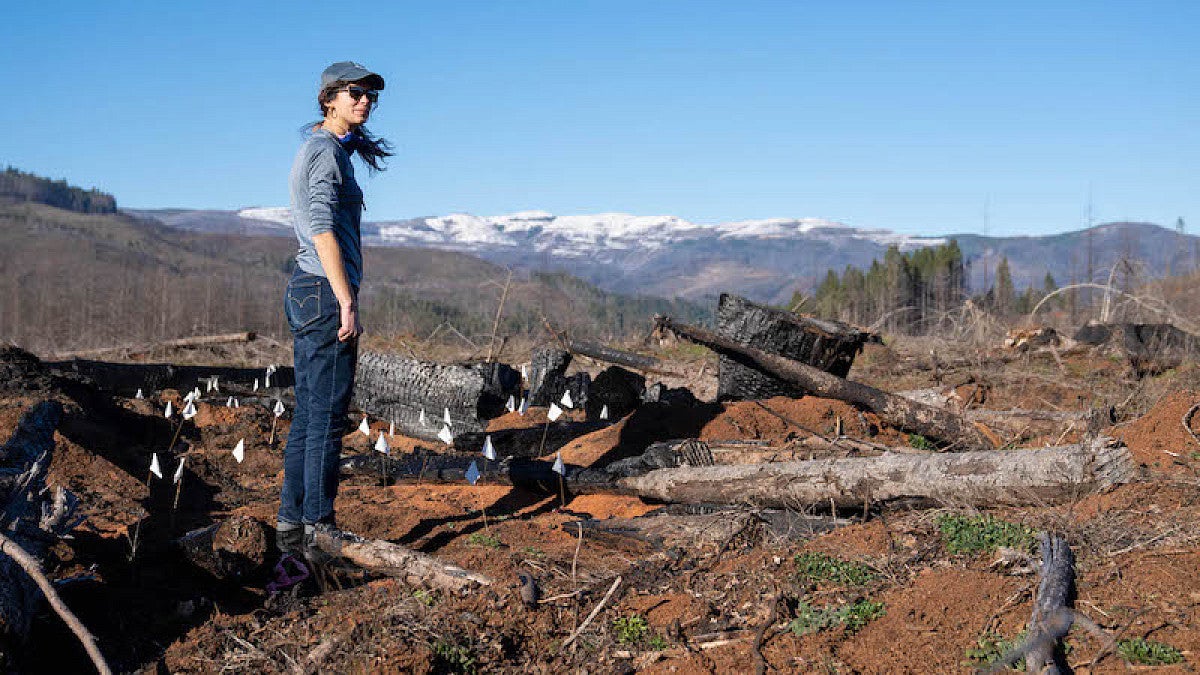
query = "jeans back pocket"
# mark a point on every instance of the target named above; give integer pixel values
(303, 303)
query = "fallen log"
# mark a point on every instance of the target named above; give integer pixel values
(124, 379)
(382, 557)
(198, 341)
(231, 549)
(990, 478)
(398, 389)
(826, 345)
(911, 416)
(599, 352)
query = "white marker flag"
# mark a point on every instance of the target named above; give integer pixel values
(489, 450)
(566, 399)
(524, 373)
(216, 385)
(208, 385)
(139, 394)
(229, 403)
(179, 471)
(255, 384)
(555, 412)
(364, 427)
(446, 417)
(170, 411)
(392, 428)
(189, 411)
(445, 436)
(381, 445)
(278, 408)
(196, 394)
(237, 403)
(511, 406)
(421, 420)
(604, 413)
(558, 467)
(239, 451)
(154, 467)
(524, 407)
(267, 380)
(189, 397)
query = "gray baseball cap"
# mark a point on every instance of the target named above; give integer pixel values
(349, 71)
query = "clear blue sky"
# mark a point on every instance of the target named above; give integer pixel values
(904, 115)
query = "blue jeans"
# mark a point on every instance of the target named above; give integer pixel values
(324, 383)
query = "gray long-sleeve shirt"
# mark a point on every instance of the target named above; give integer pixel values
(326, 198)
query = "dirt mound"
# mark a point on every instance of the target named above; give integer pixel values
(781, 419)
(1159, 440)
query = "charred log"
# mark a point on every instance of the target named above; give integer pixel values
(906, 414)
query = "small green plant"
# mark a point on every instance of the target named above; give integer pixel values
(816, 567)
(424, 597)
(483, 539)
(990, 647)
(630, 629)
(972, 534)
(452, 657)
(1148, 652)
(534, 552)
(920, 442)
(853, 617)
(658, 643)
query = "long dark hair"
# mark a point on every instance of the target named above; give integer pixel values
(370, 148)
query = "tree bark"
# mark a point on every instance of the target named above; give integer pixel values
(993, 478)
(417, 569)
(599, 352)
(1052, 614)
(905, 414)
(231, 549)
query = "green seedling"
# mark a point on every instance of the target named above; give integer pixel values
(1148, 652)
(483, 539)
(815, 567)
(920, 442)
(452, 657)
(852, 617)
(630, 629)
(974, 534)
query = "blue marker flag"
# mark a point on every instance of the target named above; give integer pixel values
(472, 473)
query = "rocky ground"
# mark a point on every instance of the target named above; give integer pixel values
(890, 590)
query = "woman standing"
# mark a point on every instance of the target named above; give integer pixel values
(321, 301)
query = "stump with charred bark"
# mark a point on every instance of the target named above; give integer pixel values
(398, 389)
(827, 345)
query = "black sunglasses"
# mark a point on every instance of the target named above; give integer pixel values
(356, 92)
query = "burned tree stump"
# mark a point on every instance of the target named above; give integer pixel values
(398, 389)
(1149, 347)
(547, 375)
(617, 389)
(527, 442)
(827, 345)
(1052, 614)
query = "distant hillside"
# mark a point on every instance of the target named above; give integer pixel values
(18, 186)
(75, 280)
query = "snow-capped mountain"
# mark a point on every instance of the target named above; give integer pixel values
(668, 256)
(609, 236)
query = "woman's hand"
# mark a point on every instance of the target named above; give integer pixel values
(351, 328)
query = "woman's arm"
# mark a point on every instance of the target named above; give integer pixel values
(330, 255)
